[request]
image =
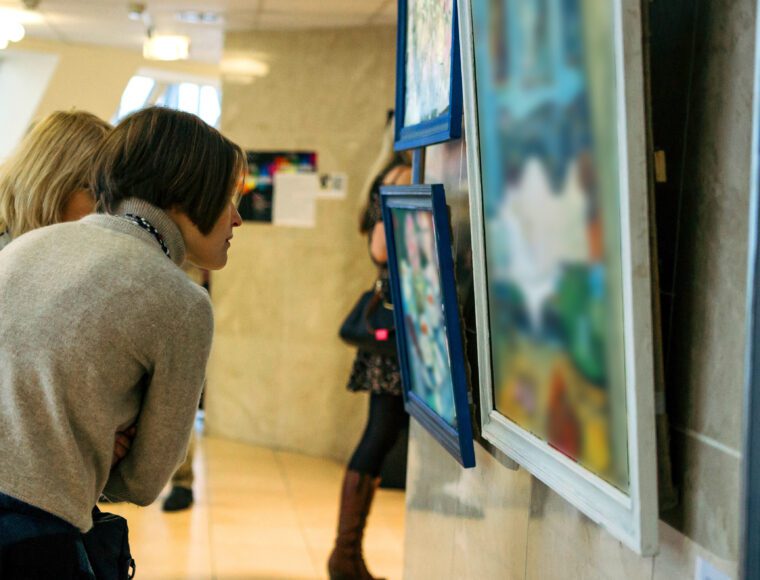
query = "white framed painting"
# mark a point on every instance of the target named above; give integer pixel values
(554, 100)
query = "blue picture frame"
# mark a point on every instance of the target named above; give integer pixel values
(447, 125)
(454, 433)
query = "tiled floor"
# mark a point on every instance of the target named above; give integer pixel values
(259, 514)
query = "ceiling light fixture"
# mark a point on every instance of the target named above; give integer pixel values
(243, 68)
(199, 17)
(166, 47)
(10, 31)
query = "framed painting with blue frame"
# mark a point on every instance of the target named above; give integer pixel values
(428, 74)
(429, 335)
(557, 169)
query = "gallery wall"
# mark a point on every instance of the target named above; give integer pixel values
(492, 522)
(29, 74)
(93, 78)
(278, 371)
(81, 76)
(705, 355)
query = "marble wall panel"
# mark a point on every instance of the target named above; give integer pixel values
(463, 523)
(710, 289)
(563, 543)
(678, 557)
(708, 511)
(278, 371)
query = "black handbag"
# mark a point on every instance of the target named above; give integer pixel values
(370, 325)
(107, 547)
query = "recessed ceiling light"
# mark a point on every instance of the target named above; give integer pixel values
(13, 31)
(199, 17)
(22, 16)
(10, 31)
(166, 47)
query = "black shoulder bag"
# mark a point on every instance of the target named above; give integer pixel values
(107, 546)
(370, 325)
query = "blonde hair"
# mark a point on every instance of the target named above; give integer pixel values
(380, 164)
(52, 163)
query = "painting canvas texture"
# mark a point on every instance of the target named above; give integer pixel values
(422, 305)
(258, 189)
(546, 95)
(429, 25)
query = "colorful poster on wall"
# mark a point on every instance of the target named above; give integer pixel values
(257, 201)
(545, 77)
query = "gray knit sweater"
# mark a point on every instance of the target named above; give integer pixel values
(98, 330)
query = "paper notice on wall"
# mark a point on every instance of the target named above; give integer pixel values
(295, 199)
(333, 185)
(706, 571)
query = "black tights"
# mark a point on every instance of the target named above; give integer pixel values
(387, 418)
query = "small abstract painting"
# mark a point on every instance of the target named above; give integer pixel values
(428, 59)
(426, 312)
(428, 74)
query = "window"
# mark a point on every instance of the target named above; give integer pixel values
(198, 96)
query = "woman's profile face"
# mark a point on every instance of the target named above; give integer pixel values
(79, 204)
(208, 251)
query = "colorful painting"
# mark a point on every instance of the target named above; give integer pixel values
(545, 80)
(424, 325)
(429, 27)
(428, 74)
(258, 189)
(426, 312)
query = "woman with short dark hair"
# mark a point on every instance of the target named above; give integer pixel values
(101, 331)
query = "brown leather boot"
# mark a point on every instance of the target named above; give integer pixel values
(346, 561)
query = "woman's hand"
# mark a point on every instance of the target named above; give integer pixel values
(122, 443)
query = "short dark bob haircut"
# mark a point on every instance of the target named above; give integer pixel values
(170, 159)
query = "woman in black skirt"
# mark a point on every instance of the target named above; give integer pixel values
(380, 375)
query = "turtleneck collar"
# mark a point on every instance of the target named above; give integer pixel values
(160, 220)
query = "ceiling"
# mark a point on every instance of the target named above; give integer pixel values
(106, 22)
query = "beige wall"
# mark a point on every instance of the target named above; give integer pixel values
(491, 522)
(93, 78)
(278, 370)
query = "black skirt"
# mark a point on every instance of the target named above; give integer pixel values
(375, 373)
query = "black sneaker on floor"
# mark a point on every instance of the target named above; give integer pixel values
(179, 499)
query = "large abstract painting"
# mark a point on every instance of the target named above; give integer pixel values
(550, 181)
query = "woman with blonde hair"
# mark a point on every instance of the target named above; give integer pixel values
(46, 180)
(377, 374)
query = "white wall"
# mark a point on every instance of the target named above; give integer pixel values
(24, 77)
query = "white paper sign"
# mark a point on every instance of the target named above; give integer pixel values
(706, 571)
(295, 199)
(333, 185)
